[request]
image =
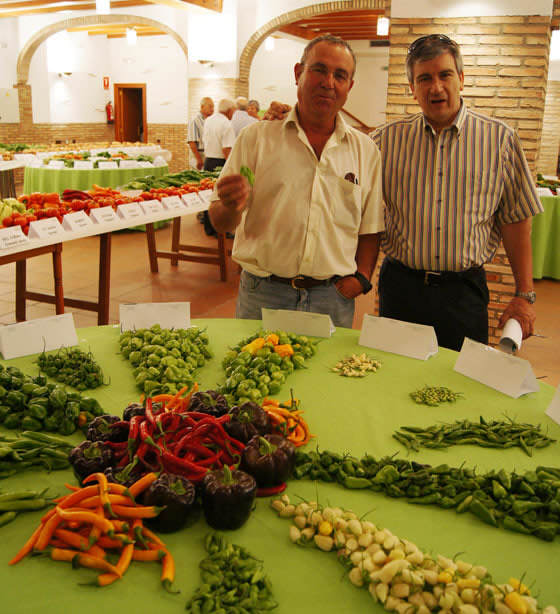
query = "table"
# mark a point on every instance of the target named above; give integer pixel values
(345, 414)
(7, 181)
(545, 239)
(57, 180)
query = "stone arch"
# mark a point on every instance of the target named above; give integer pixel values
(246, 57)
(25, 55)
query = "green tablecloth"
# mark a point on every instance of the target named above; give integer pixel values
(57, 180)
(345, 414)
(545, 238)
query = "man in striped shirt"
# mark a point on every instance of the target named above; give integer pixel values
(455, 183)
(195, 130)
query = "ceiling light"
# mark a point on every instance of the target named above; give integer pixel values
(102, 7)
(131, 36)
(382, 26)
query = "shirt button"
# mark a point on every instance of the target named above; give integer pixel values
(437, 257)
(440, 173)
(438, 228)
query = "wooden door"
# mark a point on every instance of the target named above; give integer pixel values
(130, 112)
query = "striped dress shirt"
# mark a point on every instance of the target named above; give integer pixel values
(195, 130)
(447, 195)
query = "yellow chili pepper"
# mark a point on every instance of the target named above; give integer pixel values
(284, 350)
(272, 338)
(254, 346)
(517, 586)
(445, 577)
(516, 603)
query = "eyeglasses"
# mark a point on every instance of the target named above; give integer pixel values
(419, 42)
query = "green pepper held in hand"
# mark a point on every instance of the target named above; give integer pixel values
(227, 498)
(270, 459)
(246, 172)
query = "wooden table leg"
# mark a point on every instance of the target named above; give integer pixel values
(175, 239)
(104, 277)
(57, 275)
(21, 290)
(151, 237)
(222, 256)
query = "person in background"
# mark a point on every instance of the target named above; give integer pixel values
(253, 108)
(455, 182)
(218, 137)
(241, 117)
(308, 231)
(195, 130)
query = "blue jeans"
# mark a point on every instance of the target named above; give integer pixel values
(257, 292)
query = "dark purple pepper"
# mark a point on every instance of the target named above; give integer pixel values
(270, 459)
(107, 428)
(227, 498)
(209, 402)
(90, 457)
(247, 420)
(133, 409)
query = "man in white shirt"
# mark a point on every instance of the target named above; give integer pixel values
(241, 118)
(308, 229)
(195, 130)
(218, 137)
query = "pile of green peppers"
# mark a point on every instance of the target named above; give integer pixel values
(251, 377)
(72, 366)
(164, 360)
(33, 404)
(527, 503)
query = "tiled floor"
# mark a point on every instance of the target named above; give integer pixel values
(131, 281)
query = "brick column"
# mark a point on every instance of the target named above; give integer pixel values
(550, 142)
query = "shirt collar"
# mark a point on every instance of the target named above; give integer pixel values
(457, 123)
(340, 129)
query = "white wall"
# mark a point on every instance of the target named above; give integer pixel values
(368, 97)
(160, 63)
(272, 72)
(9, 49)
(468, 8)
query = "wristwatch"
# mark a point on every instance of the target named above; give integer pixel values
(364, 281)
(530, 297)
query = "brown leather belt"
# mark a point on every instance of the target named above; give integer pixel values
(301, 281)
(435, 278)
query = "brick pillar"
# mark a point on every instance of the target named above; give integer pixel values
(550, 142)
(25, 112)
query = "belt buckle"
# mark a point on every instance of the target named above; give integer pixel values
(294, 279)
(429, 274)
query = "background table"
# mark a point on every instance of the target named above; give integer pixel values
(57, 180)
(7, 180)
(347, 415)
(545, 238)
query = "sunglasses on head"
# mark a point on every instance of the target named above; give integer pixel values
(419, 42)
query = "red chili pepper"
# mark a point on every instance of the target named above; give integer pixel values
(183, 463)
(149, 412)
(271, 490)
(116, 445)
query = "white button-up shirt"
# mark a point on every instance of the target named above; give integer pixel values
(218, 134)
(304, 215)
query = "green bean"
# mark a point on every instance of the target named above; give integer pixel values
(7, 517)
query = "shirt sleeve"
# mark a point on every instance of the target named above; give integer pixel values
(519, 199)
(229, 136)
(192, 132)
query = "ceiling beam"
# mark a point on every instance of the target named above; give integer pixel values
(213, 5)
(66, 7)
(297, 31)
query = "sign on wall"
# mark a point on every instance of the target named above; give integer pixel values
(9, 107)
(105, 83)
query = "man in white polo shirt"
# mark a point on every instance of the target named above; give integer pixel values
(218, 137)
(308, 230)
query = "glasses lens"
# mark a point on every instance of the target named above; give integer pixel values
(419, 42)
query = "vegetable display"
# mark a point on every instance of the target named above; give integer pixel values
(15, 502)
(356, 366)
(33, 404)
(259, 365)
(164, 360)
(485, 433)
(270, 459)
(397, 573)
(73, 367)
(31, 449)
(434, 395)
(232, 581)
(527, 503)
(93, 521)
(287, 419)
(189, 176)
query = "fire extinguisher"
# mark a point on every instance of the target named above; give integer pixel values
(109, 111)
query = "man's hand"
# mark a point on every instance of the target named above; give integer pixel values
(522, 311)
(233, 191)
(200, 165)
(349, 287)
(277, 110)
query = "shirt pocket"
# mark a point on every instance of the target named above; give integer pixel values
(346, 203)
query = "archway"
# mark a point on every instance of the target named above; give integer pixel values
(263, 32)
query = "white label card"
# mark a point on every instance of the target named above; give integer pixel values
(46, 228)
(129, 164)
(56, 164)
(145, 164)
(503, 372)
(412, 340)
(107, 165)
(84, 165)
(204, 195)
(151, 207)
(12, 237)
(144, 315)
(172, 203)
(34, 336)
(553, 410)
(298, 322)
(79, 220)
(130, 211)
(103, 215)
(191, 199)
